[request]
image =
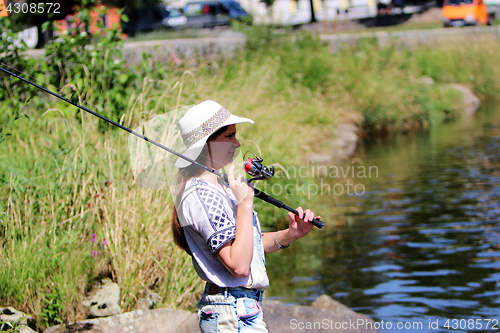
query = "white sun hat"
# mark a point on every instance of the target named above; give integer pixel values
(201, 121)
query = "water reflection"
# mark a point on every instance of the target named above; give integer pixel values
(423, 242)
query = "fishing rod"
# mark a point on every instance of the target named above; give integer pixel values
(258, 171)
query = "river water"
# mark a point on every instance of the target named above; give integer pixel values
(420, 245)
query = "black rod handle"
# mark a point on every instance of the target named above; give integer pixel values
(316, 222)
(273, 201)
(267, 198)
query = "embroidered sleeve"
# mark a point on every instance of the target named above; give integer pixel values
(216, 220)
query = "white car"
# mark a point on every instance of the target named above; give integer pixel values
(151, 18)
(175, 18)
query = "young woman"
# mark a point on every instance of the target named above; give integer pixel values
(217, 226)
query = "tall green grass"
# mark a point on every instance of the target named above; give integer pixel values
(71, 213)
(70, 210)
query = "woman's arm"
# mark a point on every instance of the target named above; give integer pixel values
(298, 228)
(237, 255)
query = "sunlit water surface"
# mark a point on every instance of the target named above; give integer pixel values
(422, 244)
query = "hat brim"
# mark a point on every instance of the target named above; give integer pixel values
(194, 151)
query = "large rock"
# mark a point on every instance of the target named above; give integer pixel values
(148, 300)
(24, 329)
(346, 139)
(325, 314)
(328, 303)
(426, 81)
(343, 144)
(104, 300)
(13, 316)
(151, 321)
(471, 101)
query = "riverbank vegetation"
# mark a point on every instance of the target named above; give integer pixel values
(70, 210)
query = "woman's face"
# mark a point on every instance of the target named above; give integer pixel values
(222, 148)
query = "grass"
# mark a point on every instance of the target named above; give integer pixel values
(71, 214)
(71, 211)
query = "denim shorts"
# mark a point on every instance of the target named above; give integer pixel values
(233, 310)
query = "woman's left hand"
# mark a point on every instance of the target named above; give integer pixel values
(300, 227)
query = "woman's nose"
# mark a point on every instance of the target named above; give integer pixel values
(236, 143)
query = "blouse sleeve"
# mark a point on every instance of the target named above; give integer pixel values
(211, 215)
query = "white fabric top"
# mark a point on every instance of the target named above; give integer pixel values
(208, 215)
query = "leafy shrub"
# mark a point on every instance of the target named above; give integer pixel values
(13, 60)
(96, 74)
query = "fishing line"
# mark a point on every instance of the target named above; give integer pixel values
(81, 101)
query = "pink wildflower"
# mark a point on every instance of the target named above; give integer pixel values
(175, 59)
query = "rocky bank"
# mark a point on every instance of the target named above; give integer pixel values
(325, 314)
(346, 134)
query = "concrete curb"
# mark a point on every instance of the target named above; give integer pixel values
(162, 50)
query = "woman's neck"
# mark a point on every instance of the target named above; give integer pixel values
(209, 177)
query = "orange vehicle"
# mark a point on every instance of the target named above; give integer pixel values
(457, 13)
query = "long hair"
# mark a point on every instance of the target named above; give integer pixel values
(184, 175)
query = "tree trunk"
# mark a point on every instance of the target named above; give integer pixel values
(313, 16)
(43, 37)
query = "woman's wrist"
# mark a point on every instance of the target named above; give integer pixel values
(285, 238)
(245, 205)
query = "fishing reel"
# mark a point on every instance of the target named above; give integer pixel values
(254, 167)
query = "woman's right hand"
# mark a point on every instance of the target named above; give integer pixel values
(242, 191)
(237, 255)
